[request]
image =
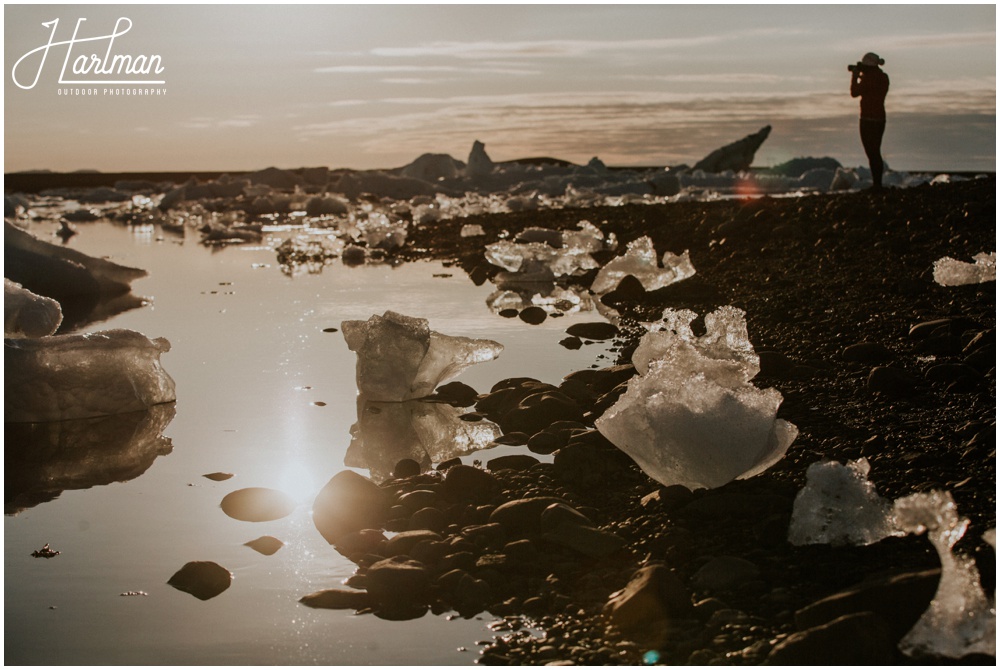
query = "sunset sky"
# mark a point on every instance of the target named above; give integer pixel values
(374, 86)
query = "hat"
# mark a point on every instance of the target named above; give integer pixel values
(872, 59)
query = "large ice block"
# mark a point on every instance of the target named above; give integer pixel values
(401, 358)
(951, 272)
(78, 376)
(839, 506)
(26, 314)
(961, 620)
(690, 416)
(639, 261)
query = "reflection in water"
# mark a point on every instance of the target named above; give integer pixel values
(427, 432)
(547, 295)
(41, 460)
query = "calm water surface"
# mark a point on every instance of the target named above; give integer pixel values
(250, 360)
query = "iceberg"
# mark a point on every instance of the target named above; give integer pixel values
(839, 506)
(401, 358)
(26, 314)
(951, 272)
(427, 432)
(78, 376)
(639, 261)
(690, 416)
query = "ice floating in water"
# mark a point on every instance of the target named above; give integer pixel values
(427, 432)
(546, 254)
(401, 358)
(78, 376)
(639, 261)
(26, 314)
(960, 620)
(839, 506)
(951, 272)
(690, 416)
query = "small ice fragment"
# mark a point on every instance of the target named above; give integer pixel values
(690, 416)
(951, 272)
(401, 358)
(472, 230)
(839, 506)
(639, 261)
(26, 314)
(960, 620)
(76, 376)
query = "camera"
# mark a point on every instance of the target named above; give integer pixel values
(857, 67)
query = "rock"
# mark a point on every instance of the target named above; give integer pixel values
(522, 517)
(653, 596)
(540, 410)
(724, 573)
(545, 442)
(218, 476)
(867, 352)
(533, 315)
(511, 462)
(471, 595)
(357, 544)
(855, 639)
(349, 503)
(571, 343)
(257, 504)
(428, 518)
(561, 514)
(406, 467)
(464, 482)
(457, 394)
(337, 599)
(202, 579)
(415, 500)
(774, 364)
(397, 580)
(521, 551)
(737, 156)
(897, 602)
(266, 545)
(893, 382)
(589, 541)
(432, 167)
(479, 163)
(951, 372)
(401, 543)
(582, 463)
(599, 330)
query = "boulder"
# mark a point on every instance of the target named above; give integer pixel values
(202, 579)
(653, 597)
(349, 503)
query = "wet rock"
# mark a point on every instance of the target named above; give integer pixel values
(397, 580)
(867, 352)
(218, 476)
(855, 639)
(349, 503)
(951, 372)
(571, 343)
(653, 596)
(485, 535)
(561, 514)
(629, 290)
(587, 540)
(522, 517)
(521, 551)
(533, 315)
(897, 602)
(402, 543)
(511, 462)
(202, 579)
(357, 544)
(471, 596)
(464, 482)
(265, 544)
(588, 464)
(599, 330)
(419, 499)
(545, 442)
(428, 518)
(257, 504)
(724, 573)
(538, 411)
(456, 394)
(406, 467)
(337, 599)
(893, 382)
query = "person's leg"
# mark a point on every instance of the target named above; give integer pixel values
(871, 140)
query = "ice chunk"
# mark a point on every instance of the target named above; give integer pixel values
(401, 358)
(639, 261)
(427, 432)
(690, 416)
(951, 272)
(26, 314)
(538, 256)
(78, 376)
(960, 619)
(472, 230)
(839, 506)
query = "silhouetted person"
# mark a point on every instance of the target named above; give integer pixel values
(872, 84)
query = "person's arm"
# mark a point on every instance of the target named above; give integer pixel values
(857, 88)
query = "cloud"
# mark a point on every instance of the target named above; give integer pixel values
(541, 48)
(940, 40)
(421, 69)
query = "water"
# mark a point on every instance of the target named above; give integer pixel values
(250, 360)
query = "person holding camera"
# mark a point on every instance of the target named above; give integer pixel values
(871, 84)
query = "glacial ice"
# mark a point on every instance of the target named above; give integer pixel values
(427, 432)
(77, 376)
(839, 506)
(961, 619)
(401, 358)
(26, 314)
(690, 416)
(951, 272)
(541, 254)
(639, 261)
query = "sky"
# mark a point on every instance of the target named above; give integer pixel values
(374, 86)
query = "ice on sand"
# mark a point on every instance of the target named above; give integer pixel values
(839, 506)
(951, 272)
(639, 261)
(690, 416)
(77, 376)
(401, 358)
(26, 314)
(545, 254)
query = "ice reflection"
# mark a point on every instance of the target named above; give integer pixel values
(41, 460)
(427, 432)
